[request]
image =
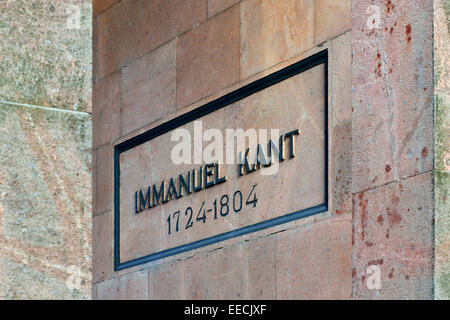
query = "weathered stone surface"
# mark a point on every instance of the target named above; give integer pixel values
(166, 282)
(133, 286)
(196, 277)
(341, 169)
(208, 58)
(272, 31)
(179, 16)
(340, 78)
(392, 102)
(103, 179)
(45, 200)
(314, 262)
(106, 115)
(265, 268)
(217, 6)
(227, 274)
(393, 230)
(43, 60)
(261, 281)
(124, 35)
(149, 88)
(331, 19)
(102, 252)
(340, 105)
(108, 42)
(20, 282)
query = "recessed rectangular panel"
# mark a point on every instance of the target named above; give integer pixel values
(164, 207)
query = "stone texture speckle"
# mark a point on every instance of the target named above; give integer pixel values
(43, 62)
(45, 202)
(392, 101)
(179, 16)
(393, 145)
(208, 58)
(124, 35)
(149, 88)
(107, 100)
(315, 263)
(102, 253)
(331, 19)
(103, 179)
(393, 230)
(128, 287)
(272, 31)
(442, 148)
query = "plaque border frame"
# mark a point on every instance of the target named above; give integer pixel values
(239, 94)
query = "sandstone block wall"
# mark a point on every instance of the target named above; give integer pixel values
(388, 133)
(154, 60)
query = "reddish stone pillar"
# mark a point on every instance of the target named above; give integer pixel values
(392, 180)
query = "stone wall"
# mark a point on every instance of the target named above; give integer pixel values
(46, 133)
(154, 60)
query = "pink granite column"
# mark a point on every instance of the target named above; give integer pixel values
(392, 45)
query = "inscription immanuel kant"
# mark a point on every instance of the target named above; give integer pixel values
(164, 207)
(209, 175)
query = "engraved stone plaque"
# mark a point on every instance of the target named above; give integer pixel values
(164, 207)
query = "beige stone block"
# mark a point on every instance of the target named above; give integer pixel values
(341, 169)
(208, 58)
(45, 202)
(314, 262)
(133, 286)
(340, 77)
(332, 18)
(102, 250)
(45, 61)
(135, 34)
(179, 16)
(226, 276)
(108, 37)
(104, 179)
(167, 281)
(125, 35)
(196, 277)
(149, 88)
(273, 31)
(261, 268)
(106, 113)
